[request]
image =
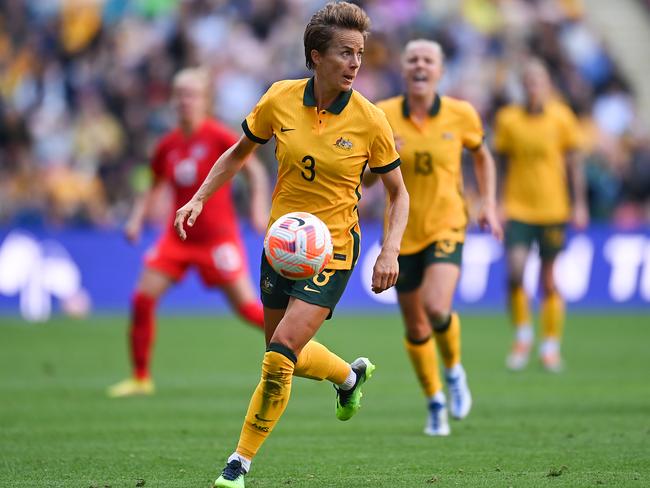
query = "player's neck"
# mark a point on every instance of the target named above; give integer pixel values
(535, 106)
(324, 95)
(190, 126)
(420, 105)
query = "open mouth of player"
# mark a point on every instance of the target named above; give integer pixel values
(420, 78)
(348, 78)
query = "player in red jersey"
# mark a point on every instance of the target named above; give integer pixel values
(181, 161)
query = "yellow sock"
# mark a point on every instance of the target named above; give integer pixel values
(267, 404)
(519, 309)
(449, 342)
(552, 316)
(319, 363)
(425, 363)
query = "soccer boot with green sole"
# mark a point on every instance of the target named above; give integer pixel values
(348, 402)
(232, 476)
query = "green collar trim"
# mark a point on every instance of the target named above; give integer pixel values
(433, 111)
(337, 106)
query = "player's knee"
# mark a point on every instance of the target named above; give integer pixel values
(514, 282)
(439, 317)
(548, 288)
(418, 331)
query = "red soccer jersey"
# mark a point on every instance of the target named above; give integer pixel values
(184, 161)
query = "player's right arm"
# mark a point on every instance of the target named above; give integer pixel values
(143, 203)
(224, 168)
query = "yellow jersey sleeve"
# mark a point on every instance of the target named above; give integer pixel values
(383, 155)
(501, 139)
(473, 130)
(258, 125)
(572, 135)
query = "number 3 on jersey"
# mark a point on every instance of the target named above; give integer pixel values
(309, 171)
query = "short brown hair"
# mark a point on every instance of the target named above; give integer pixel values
(334, 15)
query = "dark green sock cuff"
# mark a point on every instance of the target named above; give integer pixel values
(282, 349)
(441, 327)
(417, 342)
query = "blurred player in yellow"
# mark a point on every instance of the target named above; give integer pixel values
(540, 141)
(431, 132)
(325, 135)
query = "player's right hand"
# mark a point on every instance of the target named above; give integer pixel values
(190, 212)
(132, 231)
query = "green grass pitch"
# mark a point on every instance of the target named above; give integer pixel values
(589, 426)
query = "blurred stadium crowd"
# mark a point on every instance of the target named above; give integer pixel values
(85, 85)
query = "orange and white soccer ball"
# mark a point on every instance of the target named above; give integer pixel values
(298, 245)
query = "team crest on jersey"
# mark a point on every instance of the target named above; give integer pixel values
(185, 172)
(448, 136)
(343, 144)
(198, 151)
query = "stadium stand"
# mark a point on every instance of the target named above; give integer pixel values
(84, 85)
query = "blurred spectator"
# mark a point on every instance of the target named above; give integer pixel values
(84, 84)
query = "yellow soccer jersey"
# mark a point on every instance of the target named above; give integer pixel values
(322, 156)
(431, 167)
(536, 189)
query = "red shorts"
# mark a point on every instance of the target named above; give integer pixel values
(218, 263)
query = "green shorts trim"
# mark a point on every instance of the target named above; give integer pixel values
(412, 266)
(550, 238)
(324, 289)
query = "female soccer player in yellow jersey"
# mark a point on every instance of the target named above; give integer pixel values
(431, 132)
(325, 136)
(539, 140)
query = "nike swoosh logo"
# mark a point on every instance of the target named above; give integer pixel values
(284, 129)
(307, 288)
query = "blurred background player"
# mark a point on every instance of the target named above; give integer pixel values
(540, 141)
(431, 132)
(181, 161)
(326, 134)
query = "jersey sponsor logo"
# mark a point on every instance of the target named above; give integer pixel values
(285, 129)
(309, 288)
(343, 144)
(339, 256)
(448, 136)
(198, 151)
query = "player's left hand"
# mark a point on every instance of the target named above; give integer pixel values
(385, 271)
(488, 218)
(190, 212)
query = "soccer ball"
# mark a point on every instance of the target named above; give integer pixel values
(298, 245)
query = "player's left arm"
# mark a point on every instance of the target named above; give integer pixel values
(575, 166)
(486, 176)
(258, 182)
(572, 142)
(386, 270)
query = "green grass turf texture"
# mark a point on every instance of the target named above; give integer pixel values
(589, 426)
